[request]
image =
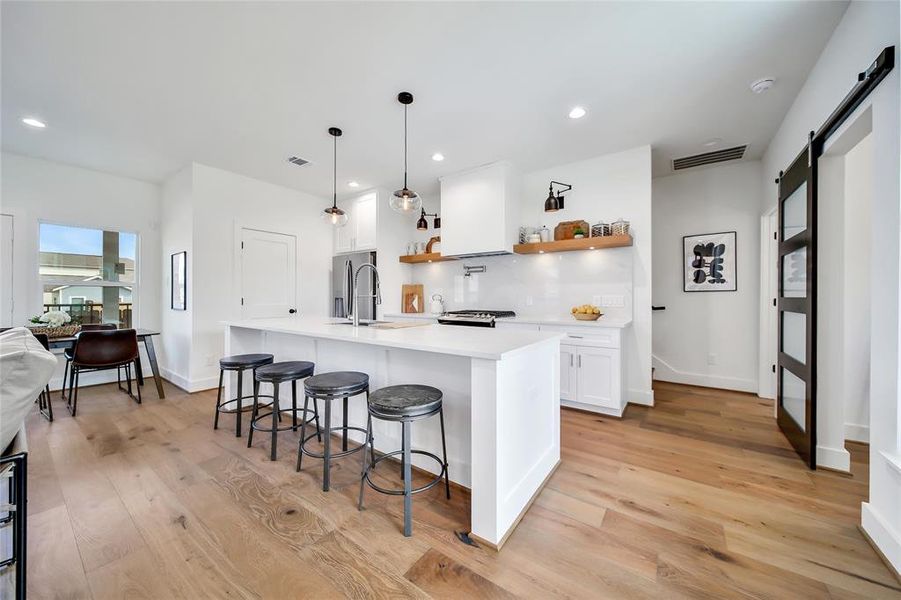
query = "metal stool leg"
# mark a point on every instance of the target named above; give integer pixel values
(344, 438)
(303, 431)
(137, 382)
(74, 392)
(275, 412)
(62, 392)
(366, 440)
(254, 411)
(316, 418)
(408, 481)
(238, 398)
(218, 401)
(327, 442)
(444, 453)
(294, 404)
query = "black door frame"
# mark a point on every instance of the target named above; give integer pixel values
(788, 181)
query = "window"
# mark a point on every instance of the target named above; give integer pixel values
(88, 273)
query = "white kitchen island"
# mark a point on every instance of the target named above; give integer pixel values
(501, 399)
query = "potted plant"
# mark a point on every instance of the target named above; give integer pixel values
(55, 323)
(578, 233)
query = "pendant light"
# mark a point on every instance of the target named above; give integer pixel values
(405, 200)
(334, 215)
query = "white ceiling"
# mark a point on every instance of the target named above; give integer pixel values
(141, 89)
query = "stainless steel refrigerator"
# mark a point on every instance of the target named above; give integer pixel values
(343, 269)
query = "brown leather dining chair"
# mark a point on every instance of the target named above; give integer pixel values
(101, 350)
(67, 353)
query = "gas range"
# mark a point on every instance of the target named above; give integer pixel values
(474, 318)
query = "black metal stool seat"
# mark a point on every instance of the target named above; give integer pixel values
(276, 374)
(245, 361)
(235, 406)
(328, 387)
(405, 404)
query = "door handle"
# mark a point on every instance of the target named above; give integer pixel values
(570, 360)
(292, 310)
(580, 361)
(658, 308)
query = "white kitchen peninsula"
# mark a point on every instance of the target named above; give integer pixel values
(501, 398)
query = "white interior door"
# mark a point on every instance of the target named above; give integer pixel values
(6, 270)
(268, 274)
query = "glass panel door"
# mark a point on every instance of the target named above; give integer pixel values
(796, 383)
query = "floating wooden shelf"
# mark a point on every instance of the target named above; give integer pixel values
(594, 243)
(413, 259)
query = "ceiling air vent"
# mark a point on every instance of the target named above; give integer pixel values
(296, 160)
(709, 158)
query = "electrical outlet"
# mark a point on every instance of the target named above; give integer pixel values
(530, 300)
(711, 359)
(612, 301)
(596, 300)
(210, 360)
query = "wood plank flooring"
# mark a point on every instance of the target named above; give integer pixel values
(699, 497)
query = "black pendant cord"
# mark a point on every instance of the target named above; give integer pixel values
(335, 172)
(405, 146)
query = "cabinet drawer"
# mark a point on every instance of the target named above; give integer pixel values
(604, 337)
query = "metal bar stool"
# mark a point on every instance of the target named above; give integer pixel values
(276, 374)
(405, 404)
(328, 387)
(239, 363)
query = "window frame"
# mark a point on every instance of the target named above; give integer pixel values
(100, 283)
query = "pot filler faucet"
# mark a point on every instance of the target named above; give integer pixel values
(377, 295)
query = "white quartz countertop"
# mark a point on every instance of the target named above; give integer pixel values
(474, 342)
(565, 321)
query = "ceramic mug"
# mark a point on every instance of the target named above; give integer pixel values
(420, 247)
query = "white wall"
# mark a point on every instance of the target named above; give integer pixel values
(865, 29)
(696, 325)
(35, 190)
(857, 218)
(176, 235)
(604, 188)
(222, 203)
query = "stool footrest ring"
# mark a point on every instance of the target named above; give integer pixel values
(256, 427)
(245, 408)
(306, 452)
(400, 492)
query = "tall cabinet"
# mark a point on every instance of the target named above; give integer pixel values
(361, 231)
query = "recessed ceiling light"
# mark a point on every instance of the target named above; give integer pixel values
(712, 142)
(762, 85)
(353, 184)
(437, 157)
(577, 112)
(32, 122)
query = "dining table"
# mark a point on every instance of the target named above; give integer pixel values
(145, 336)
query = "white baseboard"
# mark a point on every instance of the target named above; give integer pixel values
(664, 371)
(881, 533)
(837, 459)
(189, 385)
(857, 433)
(643, 397)
(603, 410)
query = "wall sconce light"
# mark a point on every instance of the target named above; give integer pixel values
(555, 203)
(423, 225)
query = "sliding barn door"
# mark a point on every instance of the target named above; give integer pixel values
(796, 405)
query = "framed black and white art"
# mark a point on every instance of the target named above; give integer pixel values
(179, 284)
(708, 262)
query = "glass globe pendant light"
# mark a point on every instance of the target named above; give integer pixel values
(405, 200)
(333, 215)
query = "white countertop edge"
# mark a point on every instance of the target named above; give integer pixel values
(561, 321)
(389, 343)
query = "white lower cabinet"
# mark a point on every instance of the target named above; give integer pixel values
(591, 373)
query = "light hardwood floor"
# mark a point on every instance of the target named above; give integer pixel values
(700, 497)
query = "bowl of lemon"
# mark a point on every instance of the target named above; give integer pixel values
(586, 312)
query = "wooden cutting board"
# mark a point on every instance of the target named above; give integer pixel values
(412, 298)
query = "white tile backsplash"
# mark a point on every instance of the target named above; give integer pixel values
(536, 285)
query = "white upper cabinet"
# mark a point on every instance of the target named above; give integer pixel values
(362, 224)
(480, 211)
